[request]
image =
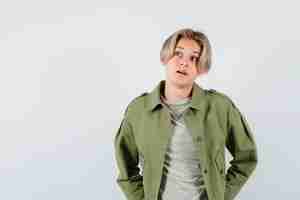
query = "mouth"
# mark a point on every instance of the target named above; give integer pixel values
(181, 72)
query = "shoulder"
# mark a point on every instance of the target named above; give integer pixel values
(219, 97)
(136, 104)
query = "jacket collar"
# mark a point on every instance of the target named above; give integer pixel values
(198, 96)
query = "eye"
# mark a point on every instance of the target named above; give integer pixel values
(194, 58)
(178, 53)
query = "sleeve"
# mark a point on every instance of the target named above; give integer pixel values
(126, 153)
(240, 143)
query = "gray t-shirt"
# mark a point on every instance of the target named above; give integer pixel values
(182, 178)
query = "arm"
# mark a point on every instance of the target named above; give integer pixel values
(129, 179)
(241, 145)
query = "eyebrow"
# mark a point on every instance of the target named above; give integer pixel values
(193, 51)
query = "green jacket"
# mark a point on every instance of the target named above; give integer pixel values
(215, 123)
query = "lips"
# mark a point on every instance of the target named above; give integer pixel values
(181, 72)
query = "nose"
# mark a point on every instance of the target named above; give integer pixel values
(183, 62)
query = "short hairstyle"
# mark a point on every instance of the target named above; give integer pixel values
(169, 45)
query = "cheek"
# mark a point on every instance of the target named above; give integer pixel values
(173, 62)
(170, 70)
(171, 66)
(193, 72)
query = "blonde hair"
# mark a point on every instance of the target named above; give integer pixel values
(169, 45)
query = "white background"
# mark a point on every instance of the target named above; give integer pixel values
(68, 69)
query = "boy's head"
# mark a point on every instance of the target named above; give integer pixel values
(170, 44)
(186, 54)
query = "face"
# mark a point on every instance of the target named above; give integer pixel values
(181, 69)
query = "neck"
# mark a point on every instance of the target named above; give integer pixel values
(173, 94)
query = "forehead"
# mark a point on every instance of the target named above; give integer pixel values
(188, 44)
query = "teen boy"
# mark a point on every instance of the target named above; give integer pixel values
(171, 142)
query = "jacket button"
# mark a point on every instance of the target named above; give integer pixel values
(205, 171)
(198, 139)
(221, 171)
